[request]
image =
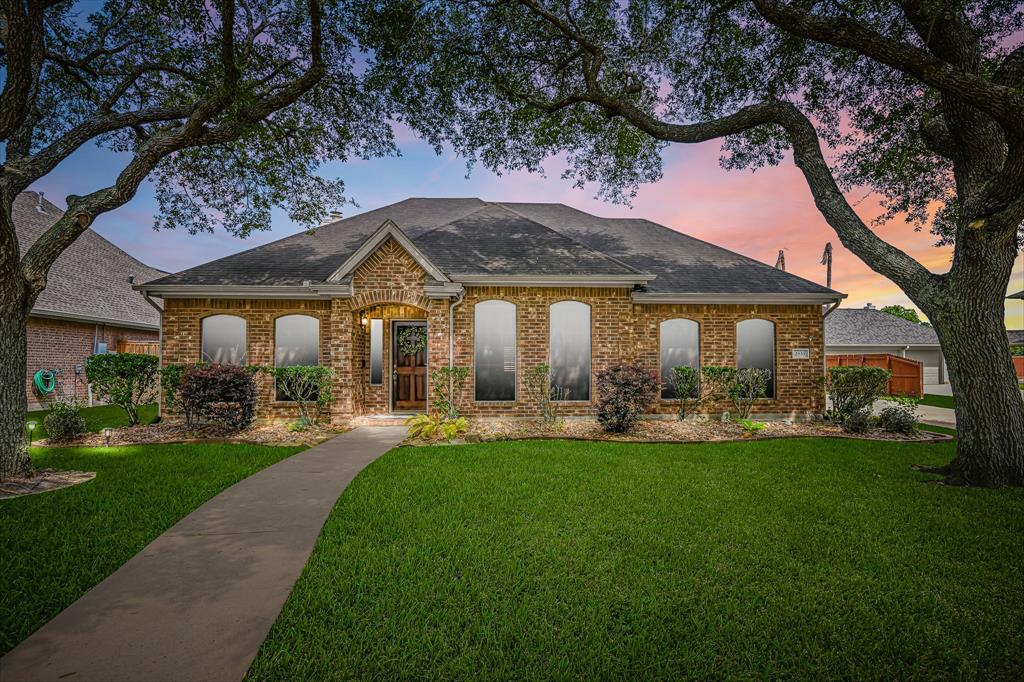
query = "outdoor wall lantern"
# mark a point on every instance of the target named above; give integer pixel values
(31, 427)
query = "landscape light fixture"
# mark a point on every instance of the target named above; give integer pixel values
(31, 427)
(107, 433)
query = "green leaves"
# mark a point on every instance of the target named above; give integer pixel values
(124, 379)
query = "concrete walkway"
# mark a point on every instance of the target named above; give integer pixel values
(198, 601)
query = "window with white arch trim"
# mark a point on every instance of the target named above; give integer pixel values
(494, 351)
(679, 341)
(755, 347)
(222, 340)
(569, 349)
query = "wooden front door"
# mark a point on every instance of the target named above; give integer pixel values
(409, 373)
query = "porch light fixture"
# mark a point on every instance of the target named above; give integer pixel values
(107, 433)
(31, 427)
(365, 320)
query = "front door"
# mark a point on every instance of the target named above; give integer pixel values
(409, 372)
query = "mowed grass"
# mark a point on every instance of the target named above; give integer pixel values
(938, 400)
(96, 418)
(782, 558)
(57, 545)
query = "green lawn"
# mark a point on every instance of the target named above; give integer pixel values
(96, 418)
(783, 558)
(938, 400)
(57, 545)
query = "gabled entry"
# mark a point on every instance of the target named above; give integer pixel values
(409, 370)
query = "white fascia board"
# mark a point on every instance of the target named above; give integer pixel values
(387, 229)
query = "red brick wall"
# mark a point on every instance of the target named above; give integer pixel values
(61, 345)
(389, 285)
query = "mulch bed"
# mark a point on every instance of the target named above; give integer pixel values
(43, 481)
(178, 432)
(667, 431)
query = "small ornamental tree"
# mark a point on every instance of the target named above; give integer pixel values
(219, 394)
(127, 380)
(537, 386)
(448, 384)
(624, 393)
(852, 389)
(748, 385)
(308, 386)
(686, 382)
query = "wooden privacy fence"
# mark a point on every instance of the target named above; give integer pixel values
(1018, 364)
(141, 347)
(907, 375)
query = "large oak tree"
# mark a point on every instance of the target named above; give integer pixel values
(920, 101)
(229, 106)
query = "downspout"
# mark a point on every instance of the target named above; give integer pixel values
(824, 354)
(160, 352)
(451, 350)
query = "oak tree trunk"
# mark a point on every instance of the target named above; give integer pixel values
(969, 320)
(14, 459)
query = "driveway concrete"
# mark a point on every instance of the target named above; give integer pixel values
(198, 601)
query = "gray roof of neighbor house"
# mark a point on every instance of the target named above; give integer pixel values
(474, 237)
(1015, 336)
(871, 327)
(89, 281)
(1019, 294)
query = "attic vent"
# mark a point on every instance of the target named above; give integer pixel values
(131, 279)
(39, 203)
(332, 217)
(869, 306)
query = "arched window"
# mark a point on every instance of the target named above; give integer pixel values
(494, 350)
(755, 347)
(570, 350)
(680, 345)
(222, 340)
(296, 342)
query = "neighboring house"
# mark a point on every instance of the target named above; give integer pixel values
(1015, 336)
(88, 305)
(857, 331)
(500, 288)
(1019, 294)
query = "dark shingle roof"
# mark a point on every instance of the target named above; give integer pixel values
(869, 327)
(88, 280)
(1015, 336)
(470, 236)
(1019, 294)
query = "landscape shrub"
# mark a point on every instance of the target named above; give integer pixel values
(624, 392)
(307, 386)
(170, 382)
(447, 384)
(750, 426)
(852, 389)
(64, 421)
(686, 382)
(219, 394)
(1017, 349)
(127, 380)
(900, 417)
(538, 389)
(431, 426)
(748, 384)
(860, 421)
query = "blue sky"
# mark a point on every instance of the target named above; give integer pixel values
(753, 213)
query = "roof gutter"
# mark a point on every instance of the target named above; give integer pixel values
(628, 281)
(304, 291)
(739, 299)
(92, 319)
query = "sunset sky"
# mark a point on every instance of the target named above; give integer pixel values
(755, 214)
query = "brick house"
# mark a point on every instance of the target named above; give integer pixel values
(88, 305)
(499, 288)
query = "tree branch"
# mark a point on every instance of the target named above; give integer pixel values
(1002, 103)
(22, 32)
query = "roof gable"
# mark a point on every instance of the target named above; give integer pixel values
(388, 230)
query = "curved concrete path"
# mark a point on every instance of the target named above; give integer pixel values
(198, 601)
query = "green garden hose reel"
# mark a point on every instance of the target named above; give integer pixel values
(45, 381)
